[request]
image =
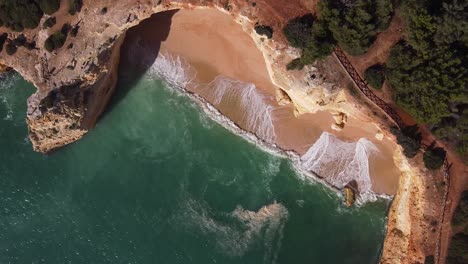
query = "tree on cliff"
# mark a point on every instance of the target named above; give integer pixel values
(311, 36)
(57, 40)
(20, 14)
(355, 24)
(409, 138)
(428, 72)
(434, 157)
(74, 6)
(375, 75)
(49, 6)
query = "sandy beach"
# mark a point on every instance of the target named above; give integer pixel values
(215, 45)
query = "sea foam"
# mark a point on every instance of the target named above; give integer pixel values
(340, 162)
(257, 113)
(347, 161)
(251, 227)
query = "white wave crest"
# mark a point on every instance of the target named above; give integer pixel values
(236, 232)
(173, 69)
(340, 162)
(179, 74)
(257, 113)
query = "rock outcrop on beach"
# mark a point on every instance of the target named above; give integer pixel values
(74, 84)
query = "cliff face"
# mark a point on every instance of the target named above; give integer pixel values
(75, 82)
(414, 218)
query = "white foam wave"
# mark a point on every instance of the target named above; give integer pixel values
(168, 67)
(340, 162)
(173, 69)
(257, 112)
(236, 232)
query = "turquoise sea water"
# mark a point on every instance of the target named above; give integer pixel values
(157, 181)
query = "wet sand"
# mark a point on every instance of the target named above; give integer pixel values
(214, 44)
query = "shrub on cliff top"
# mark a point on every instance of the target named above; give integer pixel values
(355, 24)
(299, 31)
(10, 48)
(3, 38)
(460, 217)
(57, 40)
(434, 157)
(311, 36)
(295, 64)
(375, 75)
(20, 14)
(75, 6)
(457, 252)
(49, 6)
(264, 30)
(50, 22)
(409, 138)
(19, 41)
(429, 260)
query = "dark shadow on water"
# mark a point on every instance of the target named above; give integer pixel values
(139, 51)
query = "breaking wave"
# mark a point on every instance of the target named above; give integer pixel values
(265, 225)
(173, 69)
(257, 114)
(340, 162)
(336, 162)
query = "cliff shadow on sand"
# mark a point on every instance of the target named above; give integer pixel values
(139, 51)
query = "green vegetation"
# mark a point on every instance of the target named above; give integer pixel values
(10, 48)
(429, 260)
(49, 6)
(375, 76)
(355, 24)
(75, 6)
(409, 138)
(264, 30)
(57, 40)
(50, 22)
(458, 249)
(312, 37)
(429, 72)
(295, 64)
(30, 45)
(460, 217)
(434, 157)
(3, 38)
(20, 14)
(19, 41)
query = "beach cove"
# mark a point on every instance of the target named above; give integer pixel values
(231, 65)
(158, 180)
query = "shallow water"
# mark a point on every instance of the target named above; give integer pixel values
(157, 181)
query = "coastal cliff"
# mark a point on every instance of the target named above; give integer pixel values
(76, 81)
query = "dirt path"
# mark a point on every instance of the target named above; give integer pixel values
(380, 50)
(378, 54)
